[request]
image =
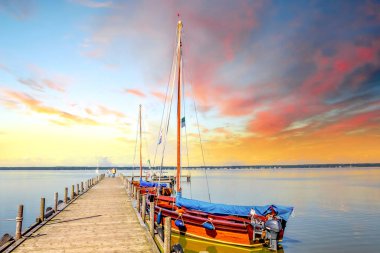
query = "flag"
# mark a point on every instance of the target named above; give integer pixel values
(183, 123)
(160, 139)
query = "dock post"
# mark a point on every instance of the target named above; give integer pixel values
(81, 187)
(42, 209)
(55, 202)
(65, 196)
(19, 219)
(72, 193)
(138, 201)
(143, 208)
(127, 184)
(135, 192)
(77, 189)
(151, 218)
(167, 234)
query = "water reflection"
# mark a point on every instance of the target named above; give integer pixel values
(193, 245)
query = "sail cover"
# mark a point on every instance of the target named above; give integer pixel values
(283, 212)
(150, 184)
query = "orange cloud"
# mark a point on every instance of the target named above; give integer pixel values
(158, 95)
(106, 111)
(37, 106)
(135, 92)
(53, 85)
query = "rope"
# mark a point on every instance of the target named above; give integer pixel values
(160, 134)
(203, 157)
(146, 139)
(200, 142)
(184, 113)
(134, 156)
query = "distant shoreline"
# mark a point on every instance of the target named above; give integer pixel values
(287, 166)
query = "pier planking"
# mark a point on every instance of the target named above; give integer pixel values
(101, 220)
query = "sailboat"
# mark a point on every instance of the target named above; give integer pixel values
(145, 186)
(246, 226)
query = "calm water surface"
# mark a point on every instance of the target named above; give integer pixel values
(336, 210)
(27, 188)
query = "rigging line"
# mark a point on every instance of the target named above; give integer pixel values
(184, 113)
(134, 156)
(163, 111)
(200, 140)
(168, 112)
(166, 133)
(167, 122)
(145, 129)
(203, 157)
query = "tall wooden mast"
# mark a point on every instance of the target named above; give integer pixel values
(179, 45)
(140, 144)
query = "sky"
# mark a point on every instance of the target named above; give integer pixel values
(270, 82)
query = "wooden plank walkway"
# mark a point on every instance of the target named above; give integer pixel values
(101, 220)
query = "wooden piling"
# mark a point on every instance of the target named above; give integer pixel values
(81, 187)
(151, 218)
(42, 209)
(143, 208)
(135, 191)
(72, 193)
(138, 201)
(19, 219)
(55, 201)
(77, 189)
(65, 196)
(167, 234)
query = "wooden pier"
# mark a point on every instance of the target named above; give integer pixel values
(100, 220)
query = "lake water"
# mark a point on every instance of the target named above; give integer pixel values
(336, 210)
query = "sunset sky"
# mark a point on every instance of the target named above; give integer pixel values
(274, 82)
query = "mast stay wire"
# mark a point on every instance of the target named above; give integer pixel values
(145, 129)
(134, 156)
(163, 111)
(200, 139)
(168, 112)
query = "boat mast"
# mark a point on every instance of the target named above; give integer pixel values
(140, 145)
(179, 26)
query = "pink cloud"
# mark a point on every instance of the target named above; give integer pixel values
(268, 123)
(37, 106)
(158, 95)
(365, 120)
(135, 92)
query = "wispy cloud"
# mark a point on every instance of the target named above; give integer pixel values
(161, 96)
(101, 110)
(93, 3)
(135, 92)
(34, 105)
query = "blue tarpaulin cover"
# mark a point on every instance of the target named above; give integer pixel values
(283, 211)
(150, 184)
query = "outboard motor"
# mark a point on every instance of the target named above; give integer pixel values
(273, 228)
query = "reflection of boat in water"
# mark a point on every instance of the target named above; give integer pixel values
(233, 225)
